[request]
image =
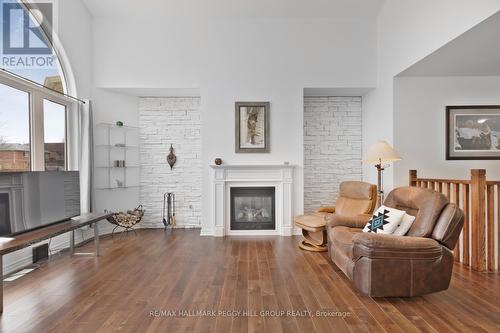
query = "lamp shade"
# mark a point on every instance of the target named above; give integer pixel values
(381, 151)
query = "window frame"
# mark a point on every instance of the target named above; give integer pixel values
(65, 132)
(20, 87)
(36, 95)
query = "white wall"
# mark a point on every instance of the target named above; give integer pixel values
(239, 60)
(332, 148)
(407, 32)
(420, 122)
(110, 107)
(75, 35)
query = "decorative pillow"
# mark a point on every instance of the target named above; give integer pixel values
(405, 225)
(385, 220)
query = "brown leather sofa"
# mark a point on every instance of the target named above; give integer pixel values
(356, 202)
(387, 265)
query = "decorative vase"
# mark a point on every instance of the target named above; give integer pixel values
(171, 158)
(218, 161)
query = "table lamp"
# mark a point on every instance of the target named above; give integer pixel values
(378, 153)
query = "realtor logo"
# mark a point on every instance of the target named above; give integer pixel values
(27, 36)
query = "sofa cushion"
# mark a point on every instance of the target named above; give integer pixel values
(349, 206)
(426, 205)
(379, 246)
(351, 221)
(341, 242)
(448, 226)
(356, 198)
(357, 190)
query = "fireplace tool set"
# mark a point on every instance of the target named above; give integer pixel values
(169, 210)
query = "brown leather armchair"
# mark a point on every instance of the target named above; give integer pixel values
(356, 202)
(387, 265)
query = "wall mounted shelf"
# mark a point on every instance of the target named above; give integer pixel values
(116, 188)
(113, 167)
(114, 127)
(115, 143)
(117, 147)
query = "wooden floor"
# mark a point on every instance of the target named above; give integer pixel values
(181, 282)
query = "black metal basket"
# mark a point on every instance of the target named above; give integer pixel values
(127, 220)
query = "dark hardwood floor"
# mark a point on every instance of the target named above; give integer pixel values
(181, 271)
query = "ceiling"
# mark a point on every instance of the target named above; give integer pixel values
(474, 53)
(134, 9)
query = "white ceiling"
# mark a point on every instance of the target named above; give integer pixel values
(474, 53)
(144, 9)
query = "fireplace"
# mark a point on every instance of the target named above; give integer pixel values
(227, 178)
(253, 208)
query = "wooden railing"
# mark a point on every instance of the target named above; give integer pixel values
(480, 201)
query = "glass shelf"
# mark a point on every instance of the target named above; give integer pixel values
(113, 167)
(117, 147)
(117, 188)
(116, 143)
(113, 126)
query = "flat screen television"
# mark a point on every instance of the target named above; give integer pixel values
(31, 200)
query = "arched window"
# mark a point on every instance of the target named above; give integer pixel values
(28, 32)
(34, 110)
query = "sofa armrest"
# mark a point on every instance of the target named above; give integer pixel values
(380, 246)
(326, 209)
(351, 221)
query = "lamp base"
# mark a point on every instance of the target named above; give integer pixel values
(380, 189)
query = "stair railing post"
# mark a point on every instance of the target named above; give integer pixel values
(412, 179)
(478, 219)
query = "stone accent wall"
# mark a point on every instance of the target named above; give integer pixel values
(332, 147)
(165, 121)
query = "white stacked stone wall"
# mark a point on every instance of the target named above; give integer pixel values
(166, 121)
(332, 147)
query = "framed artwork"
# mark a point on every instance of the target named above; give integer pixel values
(473, 132)
(252, 127)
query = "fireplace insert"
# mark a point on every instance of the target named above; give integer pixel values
(253, 208)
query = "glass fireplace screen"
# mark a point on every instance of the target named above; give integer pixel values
(253, 208)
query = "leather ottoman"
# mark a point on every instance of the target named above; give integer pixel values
(312, 223)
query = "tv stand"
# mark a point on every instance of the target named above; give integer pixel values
(32, 237)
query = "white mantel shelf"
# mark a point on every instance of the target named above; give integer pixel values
(225, 176)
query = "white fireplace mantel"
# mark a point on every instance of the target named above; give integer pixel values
(223, 177)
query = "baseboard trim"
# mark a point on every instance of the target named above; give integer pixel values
(205, 232)
(17, 265)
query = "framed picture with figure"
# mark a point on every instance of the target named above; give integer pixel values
(473, 132)
(252, 127)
